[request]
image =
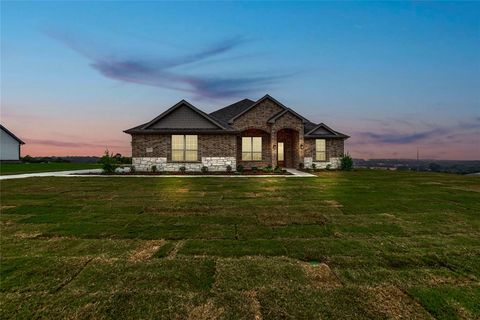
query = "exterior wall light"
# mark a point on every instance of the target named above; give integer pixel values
(274, 147)
(301, 146)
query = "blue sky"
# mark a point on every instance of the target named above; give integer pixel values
(394, 75)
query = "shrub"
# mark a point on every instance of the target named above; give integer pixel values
(268, 169)
(229, 168)
(314, 166)
(277, 169)
(109, 163)
(240, 168)
(254, 169)
(133, 169)
(328, 167)
(301, 166)
(204, 169)
(182, 169)
(154, 168)
(346, 162)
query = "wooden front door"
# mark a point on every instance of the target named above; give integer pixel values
(281, 154)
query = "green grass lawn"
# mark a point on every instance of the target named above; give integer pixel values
(17, 168)
(354, 245)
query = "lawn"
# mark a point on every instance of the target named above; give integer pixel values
(354, 245)
(18, 168)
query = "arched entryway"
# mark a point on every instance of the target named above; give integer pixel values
(287, 148)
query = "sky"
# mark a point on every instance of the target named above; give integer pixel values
(395, 76)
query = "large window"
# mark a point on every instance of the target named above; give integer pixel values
(251, 148)
(320, 150)
(184, 147)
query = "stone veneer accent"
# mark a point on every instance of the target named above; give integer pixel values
(212, 163)
(334, 151)
(334, 163)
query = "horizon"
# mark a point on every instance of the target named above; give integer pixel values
(394, 76)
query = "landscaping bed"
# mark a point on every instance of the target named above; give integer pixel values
(194, 173)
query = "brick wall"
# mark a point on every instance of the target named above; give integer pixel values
(266, 150)
(334, 148)
(213, 145)
(257, 117)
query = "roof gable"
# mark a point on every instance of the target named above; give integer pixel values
(265, 97)
(322, 130)
(183, 115)
(285, 111)
(11, 134)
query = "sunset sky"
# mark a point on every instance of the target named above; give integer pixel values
(394, 76)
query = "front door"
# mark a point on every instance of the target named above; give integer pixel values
(280, 155)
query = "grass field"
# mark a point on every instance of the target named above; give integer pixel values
(17, 168)
(355, 245)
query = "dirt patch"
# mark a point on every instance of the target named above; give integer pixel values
(26, 235)
(441, 280)
(320, 275)
(474, 188)
(175, 249)
(254, 305)
(182, 190)
(395, 304)
(146, 250)
(207, 310)
(333, 203)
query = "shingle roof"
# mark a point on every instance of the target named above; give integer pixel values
(224, 117)
(148, 127)
(11, 134)
(225, 114)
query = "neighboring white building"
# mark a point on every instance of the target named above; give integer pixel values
(9, 145)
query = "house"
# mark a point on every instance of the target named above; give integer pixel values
(249, 133)
(10, 145)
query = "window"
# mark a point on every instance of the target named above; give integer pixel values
(320, 150)
(251, 148)
(184, 147)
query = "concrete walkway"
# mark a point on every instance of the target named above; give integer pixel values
(87, 173)
(70, 173)
(298, 173)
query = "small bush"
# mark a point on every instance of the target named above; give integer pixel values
(154, 168)
(346, 163)
(240, 168)
(268, 169)
(254, 169)
(133, 169)
(109, 163)
(314, 166)
(182, 169)
(277, 169)
(301, 166)
(328, 167)
(204, 169)
(229, 168)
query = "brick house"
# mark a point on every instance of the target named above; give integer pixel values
(251, 133)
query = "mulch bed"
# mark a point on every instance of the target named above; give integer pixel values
(192, 173)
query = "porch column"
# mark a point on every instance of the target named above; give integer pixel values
(273, 142)
(301, 151)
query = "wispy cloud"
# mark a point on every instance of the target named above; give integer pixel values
(68, 144)
(395, 136)
(161, 71)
